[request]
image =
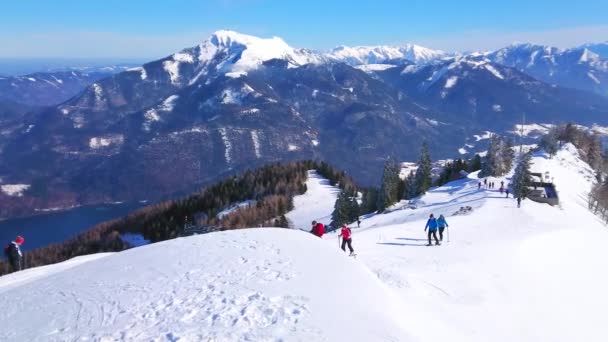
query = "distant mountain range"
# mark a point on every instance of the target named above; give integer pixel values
(236, 101)
(46, 89)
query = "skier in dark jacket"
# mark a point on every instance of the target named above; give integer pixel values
(14, 254)
(431, 224)
(442, 224)
(318, 229)
(518, 202)
(346, 235)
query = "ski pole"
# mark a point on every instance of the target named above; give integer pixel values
(448, 229)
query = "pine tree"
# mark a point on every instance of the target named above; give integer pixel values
(475, 164)
(346, 208)
(594, 153)
(489, 162)
(410, 189)
(370, 201)
(522, 176)
(388, 194)
(548, 142)
(424, 172)
(507, 156)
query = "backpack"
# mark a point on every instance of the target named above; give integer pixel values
(7, 250)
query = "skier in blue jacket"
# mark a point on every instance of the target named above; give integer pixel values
(431, 224)
(442, 224)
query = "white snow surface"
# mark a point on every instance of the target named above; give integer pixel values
(532, 129)
(316, 204)
(235, 207)
(255, 138)
(450, 82)
(502, 274)
(244, 285)
(227, 145)
(14, 190)
(370, 68)
(101, 142)
(485, 135)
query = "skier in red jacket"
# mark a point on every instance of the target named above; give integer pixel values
(346, 235)
(318, 229)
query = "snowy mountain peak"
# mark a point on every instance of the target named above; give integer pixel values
(228, 39)
(359, 55)
(234, 54)
(588, 56)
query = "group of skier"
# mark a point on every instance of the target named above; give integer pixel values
(318, 229)
(13, 253)
(433, 225)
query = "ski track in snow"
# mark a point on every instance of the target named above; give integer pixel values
(316, 204)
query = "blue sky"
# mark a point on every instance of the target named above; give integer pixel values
(150, 29)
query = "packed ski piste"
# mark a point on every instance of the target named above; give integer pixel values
(493, 272)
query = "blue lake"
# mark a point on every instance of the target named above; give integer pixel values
(53, 227)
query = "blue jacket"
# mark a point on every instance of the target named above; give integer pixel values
(441, 222)
(431, 224)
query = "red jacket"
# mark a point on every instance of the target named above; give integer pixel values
(345, 233)
(319, 229)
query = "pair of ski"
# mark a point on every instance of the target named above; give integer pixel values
(430, 244)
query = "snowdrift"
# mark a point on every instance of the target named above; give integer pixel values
(246, 285)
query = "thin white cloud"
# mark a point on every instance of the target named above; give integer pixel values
(481, 40)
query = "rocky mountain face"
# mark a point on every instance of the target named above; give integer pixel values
(236, 101)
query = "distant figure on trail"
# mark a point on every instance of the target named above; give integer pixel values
(346, 235)
(485, 182)
(14, 254)
(479, 186)
(507, 191)
(502, 184)
(431, 224)
(358, 223)
(518, 202)
(318, 229)
(442, 224)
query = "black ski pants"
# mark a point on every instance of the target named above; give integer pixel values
(434, 234)
(15, 264)
(349, 242)
(441, 229)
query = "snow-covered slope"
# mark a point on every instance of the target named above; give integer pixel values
(314, 205)
(507, 274)
(360, 55)
(247, 285)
